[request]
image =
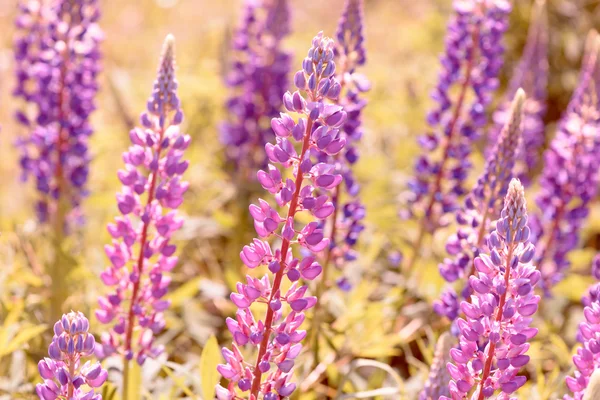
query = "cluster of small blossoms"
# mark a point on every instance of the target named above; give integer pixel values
(587, 359)
(480, 210)
(471, 63)
(57, 61)
(437, 381)
(258, 79)
(349, 53)
(64, 376)
(278, 337)
(531, 74)
(141, 253)
(494, 334)
(569, 181)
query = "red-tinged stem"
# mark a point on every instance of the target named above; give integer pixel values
(140, 261)
(492, 346)
(71, 388)
(285, 245)
(447, 144)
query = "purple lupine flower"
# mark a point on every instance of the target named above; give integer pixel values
(64, 376)
(437, 381)
(277, 336)
(495, 331)
(57, 60)
(350, 53)
(141, 253)
(258, 78)
(480, 209)
(587, 359)
(531, 74)
(469, 76)
(570, 177)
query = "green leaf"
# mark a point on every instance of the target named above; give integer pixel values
(178, 381)
(210, 358)
(132, 377)
(24, 336)
(184, 292)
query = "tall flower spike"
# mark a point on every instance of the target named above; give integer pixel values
(277, 337)
(57, 60)
(350, 36)
(345, 229)
(437, 382)
(469, 75)
(494, 334)
(480, 210)
(258, 78)
(141, 253)
(64, 376)
(531, 74)
(587, 359)
(570, 177)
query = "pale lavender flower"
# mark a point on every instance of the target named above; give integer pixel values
(141, 253)
(64, 376)
(569, 181)
(531, 74)
(57, 60)
(437, 381)
(481, 208)
(494, 334)
(277, 337)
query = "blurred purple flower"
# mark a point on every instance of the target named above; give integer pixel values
(531, 74)
(278, 337)
(63, 374)
(570, 177)
(350, 53)
(495, 331)
(141, 253)
(481, 209)
(258, 78)
(57, 60)
(587, 359)
(437, 381)
(469, 71)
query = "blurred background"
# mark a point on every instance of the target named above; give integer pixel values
(404, 38)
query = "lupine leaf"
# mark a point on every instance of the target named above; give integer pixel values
(210, 358)
(24, 336)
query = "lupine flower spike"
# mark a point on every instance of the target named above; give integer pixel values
(531, 74)
(258, 78)
(64, 375)
(471, 63)
(479, 211)
(57, 60)
(141, 253)
(345, 229)
(587, 359)
(277, 337)
(494, 334)
(570, 177)
(437, 382)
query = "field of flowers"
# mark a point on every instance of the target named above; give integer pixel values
(273, 199)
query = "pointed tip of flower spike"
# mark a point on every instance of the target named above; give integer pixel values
(593, 389)
(168, 45)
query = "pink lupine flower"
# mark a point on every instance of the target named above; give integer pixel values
(278, 336)
(494, 333)
(64, 376)
(140, 253)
